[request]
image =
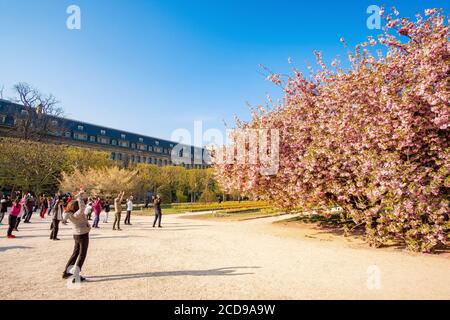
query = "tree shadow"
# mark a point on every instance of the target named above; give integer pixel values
(333, 225)
(228, 271)
(3, 249)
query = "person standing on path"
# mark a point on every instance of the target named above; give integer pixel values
(44, 206)
(107, 208)
(118, 209)
(76, 214)
(129, 209)
(158, 213)
(3, 207)
(97, 208)
(30, 204)
(89, 208)
(13, 216)
(57, 215)
(22, 212)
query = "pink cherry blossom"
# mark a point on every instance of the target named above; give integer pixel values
(373, 140)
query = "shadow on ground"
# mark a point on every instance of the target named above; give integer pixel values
(229, 271)
(334, 226)
(3, 249)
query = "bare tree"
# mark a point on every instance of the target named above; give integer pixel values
(40, 113)
(2, 89)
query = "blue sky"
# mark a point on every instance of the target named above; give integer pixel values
(154, 66)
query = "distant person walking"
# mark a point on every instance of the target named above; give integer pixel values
(129, 209)
(76, 214)
(14, 215)
(158, 213)
(97, 208)
(118, 210)
(107, 208)
(57, 215)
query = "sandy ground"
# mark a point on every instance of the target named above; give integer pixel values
(202, 259)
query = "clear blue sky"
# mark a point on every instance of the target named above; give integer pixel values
(154, 66)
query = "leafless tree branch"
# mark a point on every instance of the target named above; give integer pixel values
(37, 119)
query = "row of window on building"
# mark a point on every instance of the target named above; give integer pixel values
(150, 160)
(82, 136)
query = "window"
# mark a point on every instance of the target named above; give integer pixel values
(133, 145)
(124, 143)
(103, 140)
(157, 143)
(80, 136)
(2, 118)
(113, 156)
(102, 132)
(54, 123)
(24, 112)
(150, 148)
(141, 139)
(157, 149)
(80, 127)
(114, 142)
(92, 138)
(67, 134)
(142, 147)
(123, 136)
(171, 145)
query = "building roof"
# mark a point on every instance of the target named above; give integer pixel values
(9, 107)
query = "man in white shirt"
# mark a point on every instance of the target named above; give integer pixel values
(129, 209)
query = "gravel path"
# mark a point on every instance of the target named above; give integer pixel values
(202, 259)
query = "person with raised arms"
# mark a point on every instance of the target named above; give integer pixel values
(118, 209)
(77, 215)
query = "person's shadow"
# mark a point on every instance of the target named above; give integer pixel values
(3, 249)
(229, 271)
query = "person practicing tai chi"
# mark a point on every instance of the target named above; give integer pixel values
(97, 208)
(3, 207)
(14, 215)
(107, 208)
(158, 213)
(76, 214)
(118, 209)
(56, 212)
(129, 209)
(44, 205)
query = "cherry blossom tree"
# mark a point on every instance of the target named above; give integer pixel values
(372, 139)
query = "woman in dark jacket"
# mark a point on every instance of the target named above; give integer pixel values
(158, 213)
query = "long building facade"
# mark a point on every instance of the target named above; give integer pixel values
(123, 146)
